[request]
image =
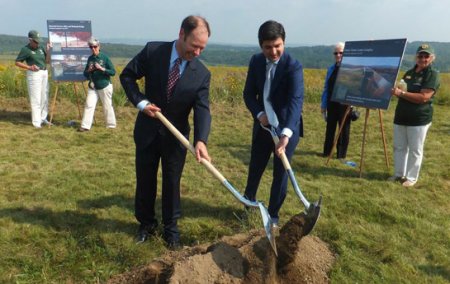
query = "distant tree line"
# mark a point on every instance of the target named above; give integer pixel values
(317, 57)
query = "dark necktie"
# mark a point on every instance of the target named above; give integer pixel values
(174, 75)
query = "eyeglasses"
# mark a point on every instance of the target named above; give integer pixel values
(336, 53)
(424, 55)
(35, 41)
(93, 46)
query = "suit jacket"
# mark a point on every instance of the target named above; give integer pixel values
(286, 91)
(191, 92)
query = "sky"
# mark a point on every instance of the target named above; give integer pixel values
(307, 22)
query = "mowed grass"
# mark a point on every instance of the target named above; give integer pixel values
(66, 202)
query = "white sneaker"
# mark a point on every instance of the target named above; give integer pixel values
(46, 122)
(409, 183)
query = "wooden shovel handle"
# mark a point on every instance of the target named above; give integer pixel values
(188, 145)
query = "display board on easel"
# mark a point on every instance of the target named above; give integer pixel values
(365, 78)
(69, 54)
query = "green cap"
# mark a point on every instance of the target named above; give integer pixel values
(425, 48)
(34, 35)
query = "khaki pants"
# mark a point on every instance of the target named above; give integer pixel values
(408, 150)
(37, 83)
(105, 96)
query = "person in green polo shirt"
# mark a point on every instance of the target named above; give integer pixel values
(413, 116)
(98, 71)
(34, 58)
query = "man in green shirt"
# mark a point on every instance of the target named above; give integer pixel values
(34, 58)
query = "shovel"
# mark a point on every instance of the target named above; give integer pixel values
(312, 210)
(267, 221)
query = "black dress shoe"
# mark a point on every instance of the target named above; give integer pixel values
(145, 231)
(174, 245)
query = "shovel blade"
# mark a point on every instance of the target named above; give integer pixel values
(312, 215)
(268, 224)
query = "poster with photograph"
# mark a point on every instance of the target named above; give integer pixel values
(70, 49)
(368, 72)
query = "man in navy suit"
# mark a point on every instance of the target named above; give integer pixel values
(273, 94)
(176, 82)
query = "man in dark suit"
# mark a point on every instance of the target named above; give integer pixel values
(273, 94)
(176, 82)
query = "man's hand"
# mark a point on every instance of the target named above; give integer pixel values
(151, 109)
(201, 152)
(263, 120)
(281, 146)
(324, 113)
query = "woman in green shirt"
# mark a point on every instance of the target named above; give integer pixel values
(413, 116)
(99, 69)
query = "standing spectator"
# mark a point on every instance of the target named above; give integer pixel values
(176, 83)
(34, 58)
(333, 112)
(413, 116)
(99, 70)
(273, 94)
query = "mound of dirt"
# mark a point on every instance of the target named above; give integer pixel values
(242, 258)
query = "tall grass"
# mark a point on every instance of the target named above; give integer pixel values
(13, 85)
(227, 84)
(12, 81)
(66, 202)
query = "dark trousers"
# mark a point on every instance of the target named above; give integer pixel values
(335, 114)
(172, 154)
(262, 149)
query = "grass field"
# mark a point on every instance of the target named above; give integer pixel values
(66, 202)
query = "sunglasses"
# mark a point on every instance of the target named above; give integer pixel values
(424, 55)
(336, 53)
(93, 46)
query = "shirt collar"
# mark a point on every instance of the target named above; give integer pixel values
(174, 54)
(274, 62)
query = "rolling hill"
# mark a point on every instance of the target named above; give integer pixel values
(316, 57)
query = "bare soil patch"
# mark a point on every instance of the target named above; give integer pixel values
(242, 258)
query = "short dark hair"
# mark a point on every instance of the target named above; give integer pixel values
(271, 30)
(191, 22)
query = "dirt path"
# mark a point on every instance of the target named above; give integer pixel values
(243, 258)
